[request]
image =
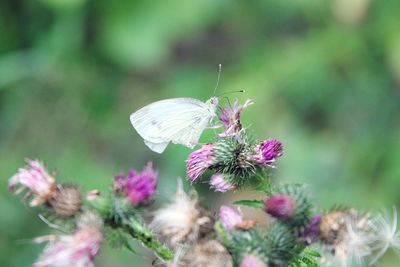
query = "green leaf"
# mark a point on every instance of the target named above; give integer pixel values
(258, 204)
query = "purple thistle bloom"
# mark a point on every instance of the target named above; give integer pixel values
(229, 217)
(280, 206)
(76, 249)
(268, 151)
(252, 261)
(311, 233)
(230, 117)
(137, 186)
(220, 184)
(199, 161)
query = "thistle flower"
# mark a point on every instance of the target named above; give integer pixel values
(220, 183)
(280, 206)
(252, 261)
(182, 221)
(268, 151)
(206, 253)
(230, 218)
(199, 161)
(137, 186)
(387, 235)
(312, 231)
(230, 117)
(78, 249)
(37, 180)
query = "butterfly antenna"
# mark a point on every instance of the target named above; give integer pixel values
(230, 92)
(219, 76)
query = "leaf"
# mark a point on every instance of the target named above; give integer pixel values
(258, 204)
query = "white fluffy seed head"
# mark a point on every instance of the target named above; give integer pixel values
(181, 221)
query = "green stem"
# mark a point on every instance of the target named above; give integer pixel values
(140, 232)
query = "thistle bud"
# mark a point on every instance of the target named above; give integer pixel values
(280, 206)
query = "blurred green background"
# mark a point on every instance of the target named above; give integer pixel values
(325, 76)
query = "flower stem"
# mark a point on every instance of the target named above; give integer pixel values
(140, 232)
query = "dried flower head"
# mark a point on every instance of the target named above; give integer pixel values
(78, 249)
(220, 184)
(348, 235)
(37, 180)
(386, 235)
(267, 152)
(182, 221)
(206, 253)
(280, 206)
(199, 161)
(252, 261)
(230, 117)
(137, 186)
(67, 200)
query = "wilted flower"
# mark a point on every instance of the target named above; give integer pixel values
(230, 117)
(199, 161)
(208, 253)
(230, 218)
(137, 186)
(220, 183)
(280, 206)
(252, 261)
(268, 151)
(182, 220)
(78, 249)
(37, 180)
(386, 236)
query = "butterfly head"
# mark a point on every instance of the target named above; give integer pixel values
(213, 103)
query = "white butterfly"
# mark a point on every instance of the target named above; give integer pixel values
(176, 120)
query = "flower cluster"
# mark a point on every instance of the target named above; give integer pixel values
(183, 233)
(233, 158)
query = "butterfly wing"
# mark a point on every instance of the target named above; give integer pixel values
(177, 120)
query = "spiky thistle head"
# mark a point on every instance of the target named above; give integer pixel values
(279, 244)
(233, 159)
(290, 204)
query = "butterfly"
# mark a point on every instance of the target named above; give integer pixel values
(176, 120)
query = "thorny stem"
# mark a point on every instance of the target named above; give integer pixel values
(140, 232)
